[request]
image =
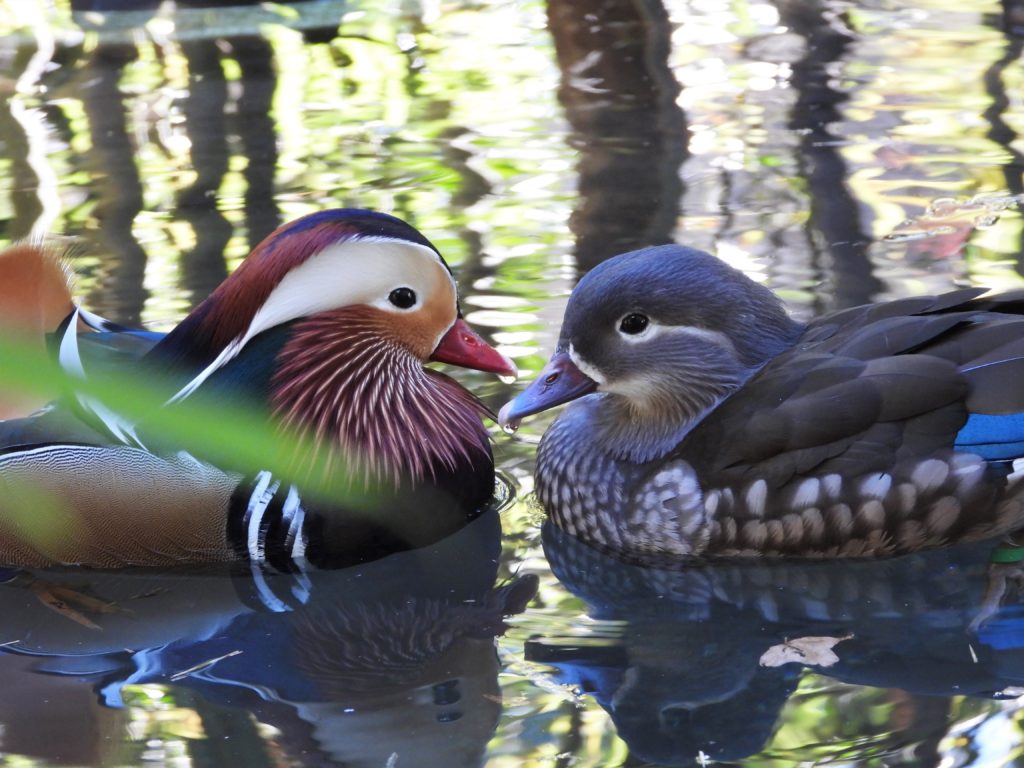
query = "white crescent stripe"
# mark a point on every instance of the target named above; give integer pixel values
(260, 499)
(70, 360)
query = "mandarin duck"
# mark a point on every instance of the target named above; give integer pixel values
(708, 422)
(323, 329)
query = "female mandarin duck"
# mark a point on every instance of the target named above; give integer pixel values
(325, 326)
(720, 426)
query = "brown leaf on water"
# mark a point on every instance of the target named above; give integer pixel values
(71, 603)
(813, 651)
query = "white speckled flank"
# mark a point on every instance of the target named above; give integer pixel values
(755, 498)
(930, 474)
(876, 486)
(808, 493)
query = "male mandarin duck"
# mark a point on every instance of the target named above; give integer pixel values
(708, 422)
(325, 328)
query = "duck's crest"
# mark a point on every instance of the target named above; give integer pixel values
(215, 328)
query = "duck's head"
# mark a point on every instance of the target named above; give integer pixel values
(665, 333)
(330, 321)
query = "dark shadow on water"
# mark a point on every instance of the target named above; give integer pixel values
(211, 119)
(682, 660)
(350, 667)
(835, 223)
(1012, 23)
(619, 95)
(111, 161)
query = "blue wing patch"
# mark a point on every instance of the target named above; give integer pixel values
(992, 437)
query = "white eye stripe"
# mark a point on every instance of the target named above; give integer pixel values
(656, 330)
(361, 270)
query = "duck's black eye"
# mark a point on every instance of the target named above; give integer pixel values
(634, 323)
(403, 298)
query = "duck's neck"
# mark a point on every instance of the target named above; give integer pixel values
(645, 416)
(649, 418)
(368, 402)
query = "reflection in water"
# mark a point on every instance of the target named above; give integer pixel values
(834, 211)
(703, 659)
(995, 85)
(944, 228)
(858, 114)
(619, 95)
(111, 161)
(206, 110)
(350, 667)
(222, 122)
(25, 199)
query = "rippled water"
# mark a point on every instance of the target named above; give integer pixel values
(842, 152)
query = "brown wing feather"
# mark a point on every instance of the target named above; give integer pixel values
(866, 387)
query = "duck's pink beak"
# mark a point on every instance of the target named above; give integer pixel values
(464, 347)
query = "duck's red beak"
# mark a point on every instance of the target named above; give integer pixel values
(464, 347)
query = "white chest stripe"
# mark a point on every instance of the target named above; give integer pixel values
(296, 517)
(261, 497)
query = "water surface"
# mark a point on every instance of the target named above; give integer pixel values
(839, 152)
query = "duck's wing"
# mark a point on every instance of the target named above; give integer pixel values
(861, 392)
(70, 494)
(107, 350)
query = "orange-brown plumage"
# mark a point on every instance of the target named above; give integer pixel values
(35, 291)
(35, 296)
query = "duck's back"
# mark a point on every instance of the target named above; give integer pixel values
(889, 427)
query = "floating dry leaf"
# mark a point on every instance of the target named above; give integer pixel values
(815, 651)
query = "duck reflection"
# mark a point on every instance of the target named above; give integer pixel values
(702, 660)
(349, 667)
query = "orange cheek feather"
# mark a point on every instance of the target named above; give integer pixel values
(34, 292)
(420, 330)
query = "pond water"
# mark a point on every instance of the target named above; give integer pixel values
(841, 152)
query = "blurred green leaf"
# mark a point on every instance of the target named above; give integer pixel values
(228, 435)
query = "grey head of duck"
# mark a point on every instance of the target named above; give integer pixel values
(706, 421)
(662, 334)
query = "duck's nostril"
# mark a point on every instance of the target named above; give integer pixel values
(551, 378)
(470, 341)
